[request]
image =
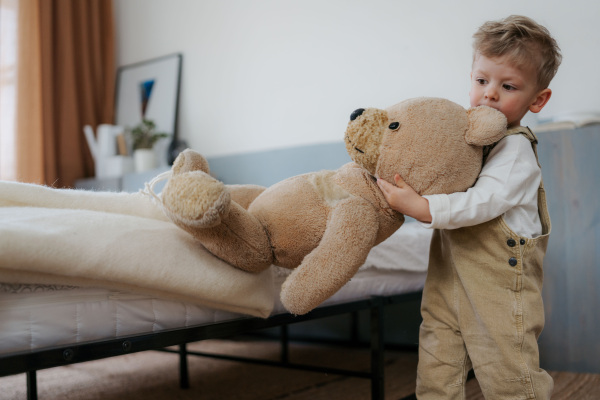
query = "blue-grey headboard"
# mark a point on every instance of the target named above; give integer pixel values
(271, 166)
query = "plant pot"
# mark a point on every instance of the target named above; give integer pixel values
(144, 159)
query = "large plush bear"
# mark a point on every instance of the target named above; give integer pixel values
(323, 224)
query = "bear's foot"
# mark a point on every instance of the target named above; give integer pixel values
(195, 200)
(187, 161)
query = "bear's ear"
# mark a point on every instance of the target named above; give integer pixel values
(486, 126)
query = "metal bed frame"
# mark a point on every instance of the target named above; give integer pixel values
(31, 361)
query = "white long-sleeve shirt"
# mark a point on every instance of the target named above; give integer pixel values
(507, 185)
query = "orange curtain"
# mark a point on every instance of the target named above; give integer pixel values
(65, 80)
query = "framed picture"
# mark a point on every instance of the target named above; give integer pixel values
(150, 90)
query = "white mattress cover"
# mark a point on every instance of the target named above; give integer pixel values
(37, 316)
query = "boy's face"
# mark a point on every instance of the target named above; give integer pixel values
(497, 83)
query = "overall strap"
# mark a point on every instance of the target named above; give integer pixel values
(519, 130)
(525, 131)
(542, 202)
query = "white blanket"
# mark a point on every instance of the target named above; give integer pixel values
(119, 241)
(406, 250)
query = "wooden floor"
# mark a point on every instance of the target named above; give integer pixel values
(154, 376)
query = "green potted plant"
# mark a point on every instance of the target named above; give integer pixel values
(143, 137)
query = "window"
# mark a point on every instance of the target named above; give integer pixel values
(8, 70)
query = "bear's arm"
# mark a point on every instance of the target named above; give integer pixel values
(349, 236)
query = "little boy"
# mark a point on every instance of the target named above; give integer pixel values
(482, 302)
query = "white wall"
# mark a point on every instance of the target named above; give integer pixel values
(262, 74)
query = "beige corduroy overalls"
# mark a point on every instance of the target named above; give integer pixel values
(482, 308)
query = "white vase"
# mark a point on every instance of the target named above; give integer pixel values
(144, 159)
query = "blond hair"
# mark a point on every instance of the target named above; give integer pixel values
(524, 41)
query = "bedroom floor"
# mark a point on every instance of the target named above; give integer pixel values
(154, 376)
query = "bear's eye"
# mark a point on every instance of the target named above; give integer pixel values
(394, 126)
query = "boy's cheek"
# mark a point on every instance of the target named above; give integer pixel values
(473, 97)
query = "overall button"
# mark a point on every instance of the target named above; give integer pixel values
(511, 242)
(512, 261)
(522, 241)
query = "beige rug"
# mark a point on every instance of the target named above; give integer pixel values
(154, 376)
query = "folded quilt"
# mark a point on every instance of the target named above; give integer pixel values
(118, 241)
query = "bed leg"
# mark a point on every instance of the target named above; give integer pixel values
(354, 328)
(31, 385)
(377, 352)
(184, 380)
(284, 341)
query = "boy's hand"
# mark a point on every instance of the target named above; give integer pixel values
(404, 199)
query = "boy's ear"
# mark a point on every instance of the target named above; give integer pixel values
(540, 101)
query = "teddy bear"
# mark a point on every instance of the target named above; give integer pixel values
(322, 225)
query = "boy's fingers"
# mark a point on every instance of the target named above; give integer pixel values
(398, 180)
(384, 186)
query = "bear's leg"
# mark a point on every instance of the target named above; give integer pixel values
(195, 199)
(240, 240)
(189, 160)
(202, 206)
(244, 195)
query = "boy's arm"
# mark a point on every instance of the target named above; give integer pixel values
(510, 177)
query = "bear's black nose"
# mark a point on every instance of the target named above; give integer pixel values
(356, 113)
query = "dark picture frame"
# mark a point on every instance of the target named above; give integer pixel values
(150, 90)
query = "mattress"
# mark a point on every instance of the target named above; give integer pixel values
(39, 316)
